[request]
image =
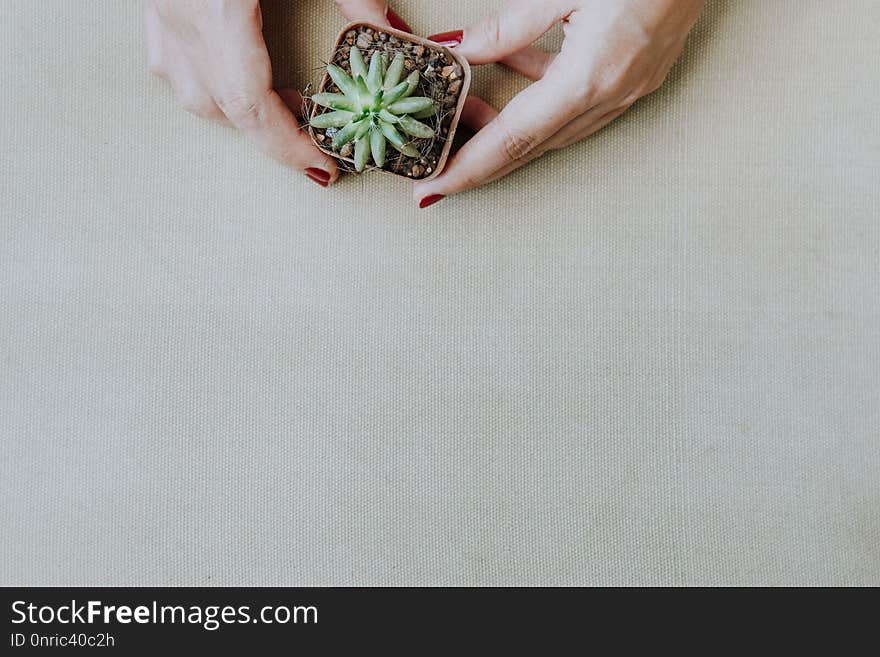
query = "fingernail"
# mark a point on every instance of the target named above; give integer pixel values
(396, 21)
(319, 176)
(430, 200)
(448, 39)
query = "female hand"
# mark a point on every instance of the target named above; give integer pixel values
(615, 52)
(213, 54)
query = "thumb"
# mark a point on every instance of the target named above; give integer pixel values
(514, 27)
(372, 11)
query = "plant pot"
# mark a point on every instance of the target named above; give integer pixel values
(445, 77)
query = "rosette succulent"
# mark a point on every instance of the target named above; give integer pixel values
(375, 108)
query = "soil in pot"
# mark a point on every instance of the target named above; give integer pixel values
(441, 79)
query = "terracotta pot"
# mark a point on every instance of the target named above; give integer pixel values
(403, 36)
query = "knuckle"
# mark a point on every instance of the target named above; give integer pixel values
(242, 108)
(491, 29)
(196, 103)
(516, 144)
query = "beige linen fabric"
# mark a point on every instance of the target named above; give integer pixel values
(651, 359)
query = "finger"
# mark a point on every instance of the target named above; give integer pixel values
(526, 123)
(568, 138)
(582, 128)
(477, 113)
(511, 29)
(530, 62)
(371, 11)
(246, 97)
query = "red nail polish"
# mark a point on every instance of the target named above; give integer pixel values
(320, 179)
(430, 200)
(448, 39)
(396, 21)
(318, 175)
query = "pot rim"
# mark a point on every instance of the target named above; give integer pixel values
(413, 38)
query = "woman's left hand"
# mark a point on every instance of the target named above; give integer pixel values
(614, 52)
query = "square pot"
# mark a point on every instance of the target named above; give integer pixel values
(444, 70)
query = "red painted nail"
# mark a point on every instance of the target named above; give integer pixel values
(318, 175)
(430, 200)
(448, 39)
(396, 21)
(320, 181)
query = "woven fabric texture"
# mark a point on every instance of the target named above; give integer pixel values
(651, 359)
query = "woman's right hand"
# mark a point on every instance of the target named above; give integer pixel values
(615, 52)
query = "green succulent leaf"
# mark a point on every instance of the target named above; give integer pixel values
(411, 105)
(358, 65)
(414, 128)
(332, 119)
(413, 83)
(395, 93)
(342, 80)
(392, 135)
(374, 76)
(364, 128)
(364, 90)
(361, 153)
(425, 114)
(374, 108)
(345, 135)
(395, 72)
(335, 101)
(397, 140)
(378, 145)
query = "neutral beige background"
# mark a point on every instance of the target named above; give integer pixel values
(651, 359)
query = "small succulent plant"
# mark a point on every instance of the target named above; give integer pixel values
(374, 108)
